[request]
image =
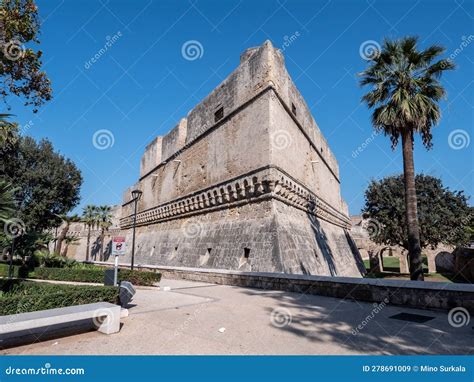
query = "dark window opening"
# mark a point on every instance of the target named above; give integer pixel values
(246, 253)
(219, 114)
(293, 108)
(209, 251)
(321, 149)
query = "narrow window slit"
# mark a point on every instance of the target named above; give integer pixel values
(219, 114)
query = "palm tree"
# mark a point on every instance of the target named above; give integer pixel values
(404, 93)
(104, 222)
(67, 220)
(69, 239)
(90, 219)
(7, 200)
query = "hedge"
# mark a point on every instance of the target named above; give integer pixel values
(27, 296)
(18, 271)
(96, 275)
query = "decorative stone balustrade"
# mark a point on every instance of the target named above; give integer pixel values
(266, 183)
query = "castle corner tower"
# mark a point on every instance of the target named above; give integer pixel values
(245, 182)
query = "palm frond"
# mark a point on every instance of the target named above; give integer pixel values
(404, 88)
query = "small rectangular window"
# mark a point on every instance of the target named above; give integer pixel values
(246, 253)
(219, 114)
(293, 108)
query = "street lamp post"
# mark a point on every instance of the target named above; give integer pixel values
(136, 194)
(10, 264)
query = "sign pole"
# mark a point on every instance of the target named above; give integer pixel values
(118, 249)
(116, 270)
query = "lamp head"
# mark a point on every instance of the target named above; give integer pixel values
(136, 194)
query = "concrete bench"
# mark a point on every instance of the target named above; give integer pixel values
(105, 318)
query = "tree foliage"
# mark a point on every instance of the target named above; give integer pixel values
(405, 88)
(404, 94)
(7, 201)
(47, 184)
(20, 66)
(444, 215)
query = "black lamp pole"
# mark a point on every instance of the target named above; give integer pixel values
(10, 264)
(136, 194)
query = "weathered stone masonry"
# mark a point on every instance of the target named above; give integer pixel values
(246, 182)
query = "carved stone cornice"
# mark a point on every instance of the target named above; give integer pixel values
(263, 184)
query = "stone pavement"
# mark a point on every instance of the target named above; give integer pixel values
(190, 319)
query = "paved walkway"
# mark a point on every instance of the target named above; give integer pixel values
(200, 318)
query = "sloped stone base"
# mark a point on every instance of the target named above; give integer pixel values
(268, 236)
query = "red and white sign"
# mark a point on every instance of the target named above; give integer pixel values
(118, 246)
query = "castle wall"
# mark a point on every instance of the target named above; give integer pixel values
(289, 94)
(174, 140)
(291, 151)
(314, 246)
(238, 146)
(227, 193)
(152, 156)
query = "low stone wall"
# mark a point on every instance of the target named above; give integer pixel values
(464, 263)
(415, 294)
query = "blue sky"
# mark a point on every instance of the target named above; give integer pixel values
(142, 85)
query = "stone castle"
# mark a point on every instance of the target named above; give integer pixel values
(245, 182)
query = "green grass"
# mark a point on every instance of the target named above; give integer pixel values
(392, 264)
(392, 271)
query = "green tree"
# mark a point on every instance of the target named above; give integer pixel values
(444, 215)
(104, 222)
(404, 93)
(47, 184)
(20, 67)
(7, 201)
(90, 219)
(8, 133)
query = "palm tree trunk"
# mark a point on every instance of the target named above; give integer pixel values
(414, 247)
(61, 237)
(88, 242)
(102, 234)
(66, 247)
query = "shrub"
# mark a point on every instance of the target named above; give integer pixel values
(96, 275)
(20, 271)
(70, 274)
(78, 265)
(28, 296)
(139, 277)
(49, 260)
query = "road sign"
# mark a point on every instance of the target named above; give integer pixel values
(118, 246)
